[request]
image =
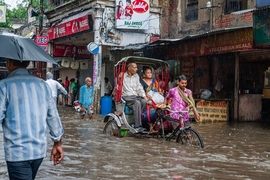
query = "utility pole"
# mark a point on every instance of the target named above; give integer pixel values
(41, 17)
(211, 16)
(42, 64)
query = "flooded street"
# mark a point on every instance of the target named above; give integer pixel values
(232, 151)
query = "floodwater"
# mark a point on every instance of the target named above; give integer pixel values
(232, 151)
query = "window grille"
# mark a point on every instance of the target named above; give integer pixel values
(57, 2)
(191, 10)
(235, 5)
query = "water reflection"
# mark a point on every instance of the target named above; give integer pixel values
(232, 151)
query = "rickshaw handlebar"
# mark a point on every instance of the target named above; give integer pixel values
(180, 112)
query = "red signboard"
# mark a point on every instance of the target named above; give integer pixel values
(42, 41)
(71, 27)
(154, 38)
(70, 51)
(234, 41)
(140, 6)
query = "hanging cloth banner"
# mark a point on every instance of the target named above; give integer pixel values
(2, 13)
(84, 64)
(65, 63)
(74, 64)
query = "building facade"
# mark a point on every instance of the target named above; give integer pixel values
(212, 42)
(102, 25)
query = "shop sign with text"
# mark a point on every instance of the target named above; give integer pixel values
(234, 41)
(213, 110)
(2, 13)
(132, 14)
(42, 41)
(71, 27)
(70, 51)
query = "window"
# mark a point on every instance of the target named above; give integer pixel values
(191, 10)
(58, 2)
(235, 5)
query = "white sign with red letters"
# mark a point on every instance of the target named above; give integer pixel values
(132, 14)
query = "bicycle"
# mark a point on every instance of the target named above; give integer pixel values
(186, 135)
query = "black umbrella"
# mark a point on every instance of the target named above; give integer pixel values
(21, 48)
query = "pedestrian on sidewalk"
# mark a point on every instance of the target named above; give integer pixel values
(27, 108)
(55, 85)
(87, 99)
(74, 90)
(108, 87)
(66, 86)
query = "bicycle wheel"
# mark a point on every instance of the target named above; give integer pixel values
(190, 137)
(111, 129)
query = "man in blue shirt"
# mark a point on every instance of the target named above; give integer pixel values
(27, 108)
(87, 99)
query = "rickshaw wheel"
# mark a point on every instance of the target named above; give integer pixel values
(190, 137)
(112, 129)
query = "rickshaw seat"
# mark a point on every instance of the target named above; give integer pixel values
(128, 110)
(122, 105)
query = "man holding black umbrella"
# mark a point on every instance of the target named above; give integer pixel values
(27, 107)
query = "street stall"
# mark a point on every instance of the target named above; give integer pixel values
(227, 63)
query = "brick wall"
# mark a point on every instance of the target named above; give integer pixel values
(174, 25)
(233, 20)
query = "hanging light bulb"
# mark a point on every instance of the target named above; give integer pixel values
(209, 4)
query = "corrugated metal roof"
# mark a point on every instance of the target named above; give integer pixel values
(129, 47)
(216, 31)
(261, 8)
(243, 11)
(80, 13)
(166, 41)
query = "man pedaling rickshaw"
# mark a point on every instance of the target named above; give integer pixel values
(129, 93)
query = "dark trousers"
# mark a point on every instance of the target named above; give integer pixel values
(137, 104)
(74, 94)
(23, 170)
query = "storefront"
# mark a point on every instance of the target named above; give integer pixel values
(75, 25)
(221, 62)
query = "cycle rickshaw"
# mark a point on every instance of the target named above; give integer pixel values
(121, 121)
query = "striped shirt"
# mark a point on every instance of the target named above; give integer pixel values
(132, 86)
(26, 109)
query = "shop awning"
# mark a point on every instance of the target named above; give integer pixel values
(82, 21)
(216, 31)
(219, 41)
(129, 47)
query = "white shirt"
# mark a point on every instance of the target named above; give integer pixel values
(108, 87)
(55, 85)
(132, 86)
